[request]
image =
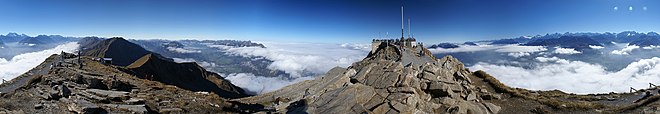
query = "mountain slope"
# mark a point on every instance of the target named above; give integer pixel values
(646, 41)
(119, 49)
(100, 88)
(152, 66)
(184, 75)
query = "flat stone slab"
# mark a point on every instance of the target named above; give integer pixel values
(109, 94)
(82, 106)
(139, 109)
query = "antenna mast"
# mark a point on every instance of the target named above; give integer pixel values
(401, 21)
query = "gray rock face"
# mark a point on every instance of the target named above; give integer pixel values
(136, 109)
(82, 106)
(381, 83)
(111, 95)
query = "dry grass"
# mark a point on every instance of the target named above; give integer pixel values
(543, 99)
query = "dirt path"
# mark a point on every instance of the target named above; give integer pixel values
(19, 81)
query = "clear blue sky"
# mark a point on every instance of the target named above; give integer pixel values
(324, 20)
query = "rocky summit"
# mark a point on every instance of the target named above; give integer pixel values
(390, 80)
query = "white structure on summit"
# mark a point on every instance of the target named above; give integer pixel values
(403, 42)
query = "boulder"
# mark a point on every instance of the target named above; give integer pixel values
(65, 91)
(492, 107)
(82, 106)
(170, 111)
(112, 95)
(136, 109)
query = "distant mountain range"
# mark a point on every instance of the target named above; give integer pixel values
(38, 40)
(578, 41)
(575, 42)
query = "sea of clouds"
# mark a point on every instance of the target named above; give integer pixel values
(22, 63)
(575, 76)
(556, 68)
(301, 61)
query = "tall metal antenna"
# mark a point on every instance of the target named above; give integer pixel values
(401, 21)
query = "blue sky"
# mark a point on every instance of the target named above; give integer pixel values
(324, 20)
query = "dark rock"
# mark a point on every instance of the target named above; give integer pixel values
(38, 106)
(95, 83)
(65, 92)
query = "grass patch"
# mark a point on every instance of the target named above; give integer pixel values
(545, 99)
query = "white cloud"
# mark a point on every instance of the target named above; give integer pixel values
(224, 47)
(22, 63)
(568, 51)
(626, 50)
(576, 76)
(182, 50)
(364, 47)
(498, 48)
(596, 47)
(651, 47)
(260, 84)
(301, 59)
(551, 59)
(519, 54)
(200, 63)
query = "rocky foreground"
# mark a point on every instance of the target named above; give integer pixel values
(389, 80)
(100, 88)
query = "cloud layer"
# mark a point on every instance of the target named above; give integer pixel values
(259, 84)
(22, 63)
(559, 50)
(182, 50)
(301, 61)
(200, 63)
(625, 51)
(575, 76)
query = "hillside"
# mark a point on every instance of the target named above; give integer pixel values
(189, 76)
(119, 49)
(99, 88)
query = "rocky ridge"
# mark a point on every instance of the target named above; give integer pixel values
(100, 88)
